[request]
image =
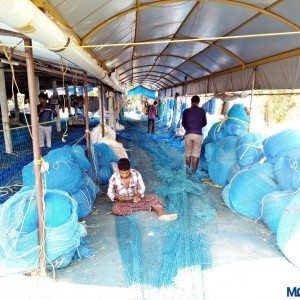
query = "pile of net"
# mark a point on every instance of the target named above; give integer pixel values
(267, 191)
(228, 147)
(179, 246)
(106, 152)
(288, 234)
(19, 247)
(66, 169)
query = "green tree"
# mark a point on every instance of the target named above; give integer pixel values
(277, 108)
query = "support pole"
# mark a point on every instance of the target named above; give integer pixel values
(68, 99)
(111, 110)
(5, 113)
(101, 107)
(252, 93)
(36, 155)
(86, 114)
(55, 102)
(37, 84)
(76, 102)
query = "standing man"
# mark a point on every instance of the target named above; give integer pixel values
(152, 114)
(56, 102)
(45, 114)
(193, 120)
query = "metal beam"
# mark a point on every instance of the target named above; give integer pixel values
(152, 82)
(165, 66)
(167, 55)
(262, 11)
(152, 77)
(213, 44)
(178, 29)
(142, 6)
(236, 28)
(256, 63)
(135, 31)
(158, 72)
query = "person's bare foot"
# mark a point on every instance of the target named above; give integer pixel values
(168, 217)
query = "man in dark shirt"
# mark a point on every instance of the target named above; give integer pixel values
(152, 113)
(193, 120)
(45, 114)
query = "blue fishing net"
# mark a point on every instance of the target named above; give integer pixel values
(210, 106)
(244, 196)
(287, 171)
(103, 157)
(288, 234)
(19, 248)
(281, 144)
(272, 207)
(249, 149)
(153, 253)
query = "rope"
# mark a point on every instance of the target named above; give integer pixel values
(166, 41)
(231, 118)
(25, 126)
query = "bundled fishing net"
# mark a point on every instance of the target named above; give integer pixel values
(216, 132)
(281, 144)
(287, 171)
(103, 157)
(85, 197)
(210, 106)
(19, 248)
(288, 234)
(79, 157)
(223, 157)
(153, 253)
(248, 187)
(233, 171)
(60, 171)
(272, 207)
(249, 149)
(237, 121)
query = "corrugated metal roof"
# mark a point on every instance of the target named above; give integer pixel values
(127, 21)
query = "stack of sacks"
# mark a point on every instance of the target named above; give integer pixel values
(19, 246)
(247, 189)
(96, 134)
(60, 170)
(287, 171)
(103, 157)
(65, 169)
(272, 207)
(249, 151)
(85, 197)
(223, 158)
(282, 144)
(237, 121)
(288, 234)
(210, 106)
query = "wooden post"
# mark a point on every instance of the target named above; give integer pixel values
(101, 107)
(5, 113)
(86, 113)
(36, 155)
(252, 92)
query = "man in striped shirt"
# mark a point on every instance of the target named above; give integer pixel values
(127, 190)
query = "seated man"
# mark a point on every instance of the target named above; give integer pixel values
(126, 188)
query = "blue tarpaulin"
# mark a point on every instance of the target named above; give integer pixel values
(142, 90)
